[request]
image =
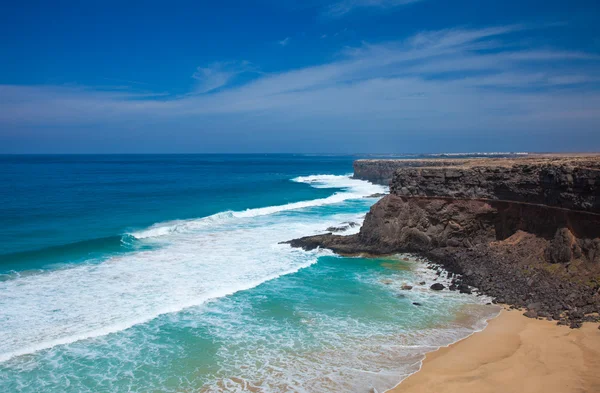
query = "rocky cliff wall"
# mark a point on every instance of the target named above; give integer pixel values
(526, 232)
(569, 184)
(382, 171)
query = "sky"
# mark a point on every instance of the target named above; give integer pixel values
(293, 76)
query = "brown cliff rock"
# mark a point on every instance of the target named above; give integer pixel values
(523, 231)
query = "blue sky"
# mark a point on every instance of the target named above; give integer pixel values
(339, 76)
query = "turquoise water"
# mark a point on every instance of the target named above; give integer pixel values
(165, 274)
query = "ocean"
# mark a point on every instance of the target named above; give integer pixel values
(166, 273)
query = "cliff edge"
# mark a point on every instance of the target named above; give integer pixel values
(525, 231)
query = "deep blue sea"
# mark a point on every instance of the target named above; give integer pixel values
(165, 273)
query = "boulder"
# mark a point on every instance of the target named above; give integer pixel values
(531, 314)
(337, 229)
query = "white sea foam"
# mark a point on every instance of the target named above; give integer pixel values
(198, 260)
(352, 189)
(209, 258)
(354, 354)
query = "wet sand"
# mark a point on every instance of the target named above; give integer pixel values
(514, 354)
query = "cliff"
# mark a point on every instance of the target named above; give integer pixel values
(525, 231)
(382, 171)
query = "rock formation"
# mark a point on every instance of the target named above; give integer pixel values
(381, 171)
(525, 231)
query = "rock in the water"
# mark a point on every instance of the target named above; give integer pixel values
(422, 283)
(406, 287)
(337, 229)
(416, 303)
(437, 286)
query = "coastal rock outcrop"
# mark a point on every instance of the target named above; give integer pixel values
(525, 231)
(572, 185)
(382, 171)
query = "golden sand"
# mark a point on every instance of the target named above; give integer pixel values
(514, 354)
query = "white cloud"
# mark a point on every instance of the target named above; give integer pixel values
(284, 42)
(219, 74)
(434, 81)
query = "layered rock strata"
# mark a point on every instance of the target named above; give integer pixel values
(381, 171)
(525, 231)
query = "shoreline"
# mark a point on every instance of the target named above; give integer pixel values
(459, 316)
(520, 354)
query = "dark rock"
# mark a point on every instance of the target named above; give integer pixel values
(407, 287)
(556, 316)
(576, 314)
(437, 286)
(591, 318)
(417, 303)
(531, 314)
(422, 283)
(337, 229)
(560, 249)
(575, 324)
(519, 230)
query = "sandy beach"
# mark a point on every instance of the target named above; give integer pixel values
(514, 354)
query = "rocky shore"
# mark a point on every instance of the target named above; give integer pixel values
(525, 231)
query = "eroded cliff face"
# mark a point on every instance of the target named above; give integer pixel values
(524, 231)
(573, 185)
(382, 171)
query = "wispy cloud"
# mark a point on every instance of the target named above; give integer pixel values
(343, 7)
(470, 80)
(219, 74)
(284, 42)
